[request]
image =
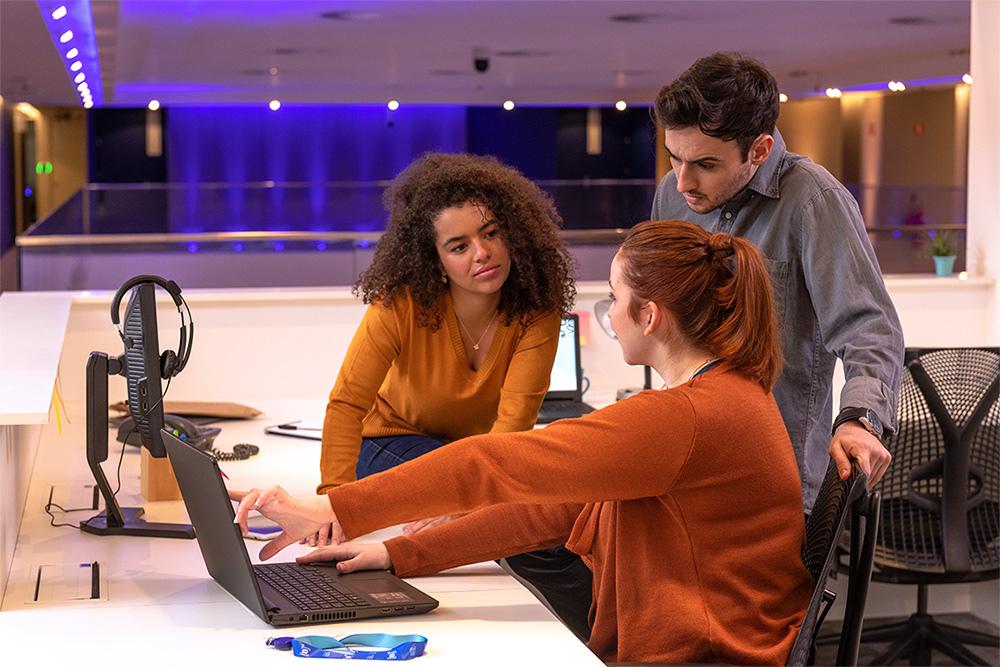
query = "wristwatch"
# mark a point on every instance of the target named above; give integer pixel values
(867, 417)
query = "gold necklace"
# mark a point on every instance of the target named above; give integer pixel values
(475, 346)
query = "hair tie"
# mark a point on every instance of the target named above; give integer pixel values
(720, 243)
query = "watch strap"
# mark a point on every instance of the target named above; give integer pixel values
(867, 418)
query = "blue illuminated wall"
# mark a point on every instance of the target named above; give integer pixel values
(329, 164)
(524, 137)
(313, 144)
(310, 147)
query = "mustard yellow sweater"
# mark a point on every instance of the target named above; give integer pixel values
(400, 378)
(685, 503)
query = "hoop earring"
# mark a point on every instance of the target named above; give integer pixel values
(444, 278)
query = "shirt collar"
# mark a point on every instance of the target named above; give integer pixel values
(765, 180)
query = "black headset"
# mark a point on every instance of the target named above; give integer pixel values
(171, 363)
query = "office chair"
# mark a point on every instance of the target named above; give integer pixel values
(941, 496)
(837, 500)
(826, 523)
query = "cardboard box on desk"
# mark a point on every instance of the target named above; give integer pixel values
(156, 478)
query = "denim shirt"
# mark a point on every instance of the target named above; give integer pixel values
(830, 297)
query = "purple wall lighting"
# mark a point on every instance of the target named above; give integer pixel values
(301, 168)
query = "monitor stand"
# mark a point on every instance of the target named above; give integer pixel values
(114, 520)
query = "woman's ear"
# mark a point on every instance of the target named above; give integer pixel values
(654, 318)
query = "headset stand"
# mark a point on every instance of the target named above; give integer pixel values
(114, 520)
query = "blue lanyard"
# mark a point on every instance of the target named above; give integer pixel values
(399, 647)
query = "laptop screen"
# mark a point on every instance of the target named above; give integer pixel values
(564, 381)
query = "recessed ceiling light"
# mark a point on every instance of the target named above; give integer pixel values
(642, 18)
(345, 15)
(911, 20)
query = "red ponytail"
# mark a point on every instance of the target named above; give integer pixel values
(715, 285)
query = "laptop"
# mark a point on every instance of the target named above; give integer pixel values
(282, 594)
(564, 398)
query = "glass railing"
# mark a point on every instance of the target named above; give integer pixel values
(207, 210)
(105, 230)
(905, 221)
(107, 222)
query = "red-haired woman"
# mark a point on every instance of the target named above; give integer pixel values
(684, 501)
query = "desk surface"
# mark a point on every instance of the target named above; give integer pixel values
(32, 326)
(158, 602)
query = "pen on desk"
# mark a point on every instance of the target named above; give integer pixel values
(293, 427)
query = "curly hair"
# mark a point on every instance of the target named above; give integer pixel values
(406, 259)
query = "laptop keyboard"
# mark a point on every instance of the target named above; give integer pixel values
(554, 410)
(308, 588)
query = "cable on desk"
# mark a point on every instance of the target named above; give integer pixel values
(118, 480)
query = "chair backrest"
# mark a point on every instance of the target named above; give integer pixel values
(941, 493)
(838, 500)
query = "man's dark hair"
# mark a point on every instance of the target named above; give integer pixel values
(726, 96)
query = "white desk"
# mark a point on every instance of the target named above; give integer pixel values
(159, 605)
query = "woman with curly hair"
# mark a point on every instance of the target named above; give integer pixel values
(466, 293)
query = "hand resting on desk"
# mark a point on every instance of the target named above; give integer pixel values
(298, 517)
(351, 557)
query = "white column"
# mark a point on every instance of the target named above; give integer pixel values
(983, 247)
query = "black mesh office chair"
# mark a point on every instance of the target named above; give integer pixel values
(941, 496)
(836, 503)
(837, 500)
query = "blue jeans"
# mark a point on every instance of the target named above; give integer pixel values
(378, 454)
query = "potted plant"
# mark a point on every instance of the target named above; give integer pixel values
(942, 249)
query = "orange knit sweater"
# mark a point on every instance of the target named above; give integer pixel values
(685, 503)
(401, 378)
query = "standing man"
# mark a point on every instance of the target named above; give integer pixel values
(731, 173)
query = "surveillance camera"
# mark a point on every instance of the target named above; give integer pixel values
(481, 59)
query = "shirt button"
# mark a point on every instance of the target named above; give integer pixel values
(729, 216)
